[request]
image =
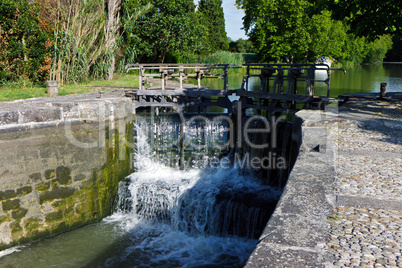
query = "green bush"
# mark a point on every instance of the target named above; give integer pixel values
(25, 42)
(378, 48)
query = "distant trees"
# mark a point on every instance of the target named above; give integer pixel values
(303, 29)
(212, 19)
(241, 46)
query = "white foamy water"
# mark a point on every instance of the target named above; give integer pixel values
(192, 218)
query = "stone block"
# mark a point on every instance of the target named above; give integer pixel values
(42, 186)
(24, 190)
(40, 115)
(49, 174)
(79, 177)
(54, 216)
(8, 194)
(35, 177)
(5, 218)
(19, 213)
(63, 175)
(8, 117)
(11, 204)
(56, 193)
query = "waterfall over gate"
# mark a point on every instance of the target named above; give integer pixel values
(215, 205)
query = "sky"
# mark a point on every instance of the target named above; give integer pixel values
(233, 19)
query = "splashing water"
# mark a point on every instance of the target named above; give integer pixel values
(187, 218)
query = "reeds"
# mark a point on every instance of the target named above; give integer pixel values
(81, 49)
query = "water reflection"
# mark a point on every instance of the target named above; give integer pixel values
(365, 78)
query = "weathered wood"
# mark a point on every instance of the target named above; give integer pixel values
(190, 93)
(275, 96)
(272, 96)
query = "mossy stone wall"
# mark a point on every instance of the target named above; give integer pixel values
(49, 185)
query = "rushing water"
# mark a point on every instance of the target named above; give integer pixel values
(199, 216)
(365, 78)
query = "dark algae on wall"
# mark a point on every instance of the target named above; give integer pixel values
(50, 185)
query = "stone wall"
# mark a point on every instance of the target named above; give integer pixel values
(55, 179)
(297, 230)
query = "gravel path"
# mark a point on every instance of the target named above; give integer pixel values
(366, 230)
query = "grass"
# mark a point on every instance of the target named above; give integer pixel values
(333, 218)
(24, 89)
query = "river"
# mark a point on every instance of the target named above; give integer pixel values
(358, 79)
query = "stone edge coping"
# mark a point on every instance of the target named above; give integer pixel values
(58, 111)
(296, 233)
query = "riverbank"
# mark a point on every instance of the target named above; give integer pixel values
(25, 89)
(342, 206)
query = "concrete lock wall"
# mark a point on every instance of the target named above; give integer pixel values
(54, 179)
(297, 230)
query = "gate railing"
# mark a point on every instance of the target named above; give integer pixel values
(164, 72)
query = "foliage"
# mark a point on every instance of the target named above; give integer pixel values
(25, 42)
(241, 46)
(395, 54)
(378, 48)
(370, 18)
(80, 46)
(223, 57)
(211, 16)
(167, 27)
(251, 58)
(277, 28)
(131, 45)
(328, 37)
(304, 30)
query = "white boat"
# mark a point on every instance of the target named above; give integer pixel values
(321, 73)
(324, 60)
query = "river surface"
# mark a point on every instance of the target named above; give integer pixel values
(358, 79)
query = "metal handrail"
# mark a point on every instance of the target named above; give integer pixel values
(166, 71)
(275, 72)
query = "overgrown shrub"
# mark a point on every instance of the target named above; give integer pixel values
(25, 42)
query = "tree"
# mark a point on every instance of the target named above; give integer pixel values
(328, 37)
(370, 18)
(212, 18)
(167, 27)
(300, 28)
(241, 46)
(395, 54)
(277, 28)
(25, 41)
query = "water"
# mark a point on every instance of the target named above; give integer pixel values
(365, 78)
(196, 216)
